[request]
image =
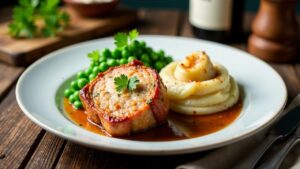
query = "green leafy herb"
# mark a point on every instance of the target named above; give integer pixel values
(94, 55)
(36, 17)
(122, 83)
(123, 39)
(133, 83)
(133, 34)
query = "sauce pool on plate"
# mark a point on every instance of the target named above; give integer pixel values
(178, 127)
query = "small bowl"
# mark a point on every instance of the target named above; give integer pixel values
(92, 9)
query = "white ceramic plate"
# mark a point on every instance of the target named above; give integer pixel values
(264, 95)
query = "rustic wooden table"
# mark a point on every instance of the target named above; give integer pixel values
(25, 145)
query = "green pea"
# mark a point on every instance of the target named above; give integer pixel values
(68, 92)
(81, 74)
(77, 104)
(122, 61)
(125, 53)
(88, 71)
(145, 58)
(106, 53)
(92, 76)
(94, 63)
(74, 85)
(116, 53)
(112, 62)
(136, 43)
(76, 95)
(131, 58)
(72, 98)
(147, 64)
(142, 44)
(159, 65)
(161, 53)
(154, 56)
(169, 59)
(125, 48)
(102, 59)
(149, 50)
(133, 46)
(138, 52)
(96, 70)
(103, 66)
(82, 82)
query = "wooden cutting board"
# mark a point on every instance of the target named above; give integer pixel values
(20, 52)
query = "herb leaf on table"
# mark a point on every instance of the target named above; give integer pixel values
(34, 18)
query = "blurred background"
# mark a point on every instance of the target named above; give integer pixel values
(224, 21)
(250, 5)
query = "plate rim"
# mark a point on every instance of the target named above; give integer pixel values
(124, 150)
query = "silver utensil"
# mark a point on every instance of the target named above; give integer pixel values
(281, 129)
(275, 161)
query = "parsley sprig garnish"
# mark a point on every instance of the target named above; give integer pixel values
(94, 55)
(37, 17)
(132, 83)
(122, 83)
(123, 39)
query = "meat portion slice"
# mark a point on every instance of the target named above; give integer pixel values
(123, 113)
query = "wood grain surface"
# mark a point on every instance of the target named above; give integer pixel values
(25, 51)
(19, 136)
(8, 76)
(25, 145)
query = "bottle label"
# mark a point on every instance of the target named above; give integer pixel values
(214, 15)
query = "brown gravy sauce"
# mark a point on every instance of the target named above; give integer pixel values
(192, 126)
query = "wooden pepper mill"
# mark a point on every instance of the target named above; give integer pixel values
(275, 31)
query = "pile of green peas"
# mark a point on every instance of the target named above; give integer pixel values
(108, 58)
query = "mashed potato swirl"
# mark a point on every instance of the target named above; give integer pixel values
(196, 86)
